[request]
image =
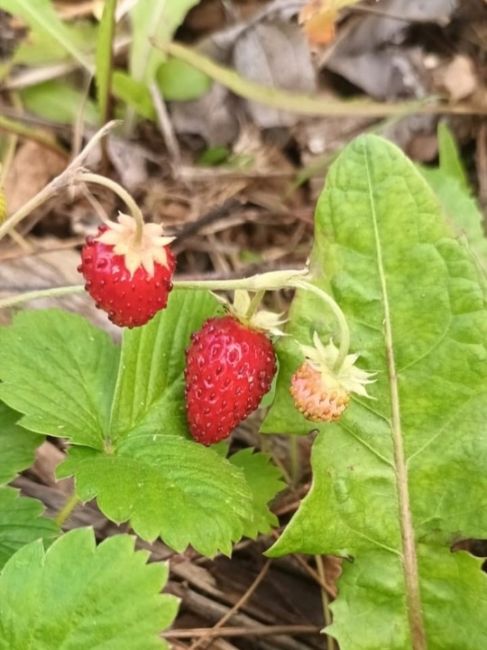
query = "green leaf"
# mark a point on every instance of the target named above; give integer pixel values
(400, 478)
(59, 371)
(17, 446)
(130, 426)
(461, 210)
(450, 183)
(78, 595)
(59, 102)
(167, 486)
(179, 81)
(150, 387)
(21, 523)
(265, 481)
(134, 93)
(104, 57)
(450, 161)
(41, 16)
(153, 20)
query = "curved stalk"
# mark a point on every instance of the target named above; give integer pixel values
(135, 211)
(337, 312)
(41, 293)
(272, 281)
(65, 512)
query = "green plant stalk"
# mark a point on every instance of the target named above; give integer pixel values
(325, 602)
(65, 512)
(55, 292)
(304, 104)
(271, 281)
(87, 177)
(337, 312)
(254, 303)
(104, 58)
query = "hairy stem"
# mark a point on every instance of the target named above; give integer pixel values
(41, 293)
(65, 512)
(255, 303)
(337, 312)
(87, 177)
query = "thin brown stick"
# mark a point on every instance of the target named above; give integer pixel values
(329, 640)
(258, 630)
(240, 603)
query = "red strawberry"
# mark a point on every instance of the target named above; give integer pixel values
(131, 281)
(229, 368)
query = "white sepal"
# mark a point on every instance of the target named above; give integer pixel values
(121, 235)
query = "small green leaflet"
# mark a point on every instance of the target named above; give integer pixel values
(414, 300)
(59, 371)
(450, 183)
(265, 481)
(123, 411)
(21, 522)
(79, 595)
(17, 446)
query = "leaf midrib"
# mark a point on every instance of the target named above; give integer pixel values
(409, 558)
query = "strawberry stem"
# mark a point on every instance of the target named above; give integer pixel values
(9, 301)
(87, 177)
(272, 281)
(65, 512)
(337, 312)
(254, 303)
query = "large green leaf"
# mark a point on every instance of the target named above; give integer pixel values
(402, 476)
(21, 523)
(17, 446)
(41, 16)
(150, 387)
(166, 486)
(76, 595)
(153, 20)
(60, 372)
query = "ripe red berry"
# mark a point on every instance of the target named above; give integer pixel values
(130, 281)
(229, 368)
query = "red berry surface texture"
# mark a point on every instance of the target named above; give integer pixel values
(229, 368)
(130, 282)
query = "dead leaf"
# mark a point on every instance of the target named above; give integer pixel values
(318, 19)
(274, 54)
(458, 78)
(32, 168)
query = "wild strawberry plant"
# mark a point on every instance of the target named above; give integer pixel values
(384, 357)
